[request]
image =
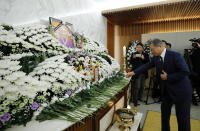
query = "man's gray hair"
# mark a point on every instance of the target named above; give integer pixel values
(156, 42)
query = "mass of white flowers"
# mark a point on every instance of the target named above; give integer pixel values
(35, 38)
(52, 76)
(94, 47)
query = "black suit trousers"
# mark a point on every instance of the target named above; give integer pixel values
(182, 114)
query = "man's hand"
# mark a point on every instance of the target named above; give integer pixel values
(142, 57)
(130, 74)
(134, 56)
(198, 44)
(164, 75)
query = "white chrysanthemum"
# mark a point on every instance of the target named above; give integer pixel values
(14, 56)
(2, 92)
(32, 73)
(28, 92)
(23, 37)
(19, 82)
(63, 65)
(34, 82)
(49, 71)
(14, 68)
(56, 75)
(41, 71)
(4, 64)
(46, 65)
(4, 72)
(11, 88)
(18, 74)
(27, 79)
(47, 78)
(81, 59)
(45, 84)
(11, 78)
(11, 95)
(58, 70)
(60, 60)
(54, 99)
(57, 84)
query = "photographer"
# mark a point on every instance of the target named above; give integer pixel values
(138, 59)
(195, 59)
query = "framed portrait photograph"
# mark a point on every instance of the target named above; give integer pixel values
(70, 26)
(64, 35)
(55, 23)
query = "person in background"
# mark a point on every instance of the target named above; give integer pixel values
(195, 59)
(174, 82)
(166, 44)
(138, 59)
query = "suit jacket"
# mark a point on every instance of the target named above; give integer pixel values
(137, 62)
(177, 86)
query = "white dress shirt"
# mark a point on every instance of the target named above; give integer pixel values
(163, 54)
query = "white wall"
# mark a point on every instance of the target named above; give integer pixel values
(83, 14)
(179, 40)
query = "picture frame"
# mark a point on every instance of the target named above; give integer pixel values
(64, 35)
(55, 23)
(62, 32)
(69, 26)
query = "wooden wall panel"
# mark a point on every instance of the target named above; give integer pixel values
(110, 38)
(170, 9)
(128, 32)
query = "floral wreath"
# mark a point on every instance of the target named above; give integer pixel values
(147, 48)
(131, 49)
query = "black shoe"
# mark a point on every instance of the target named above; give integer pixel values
(134, 104)
(140, 100)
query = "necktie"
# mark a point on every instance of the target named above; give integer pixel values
(161, 62)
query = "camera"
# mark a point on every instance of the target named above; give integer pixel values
(138, 55)
(194, 42)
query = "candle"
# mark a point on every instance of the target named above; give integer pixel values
(124, 51)
(129, 107)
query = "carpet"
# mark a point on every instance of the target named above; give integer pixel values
(153, 122)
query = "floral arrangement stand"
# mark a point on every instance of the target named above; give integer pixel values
(82, 121)
(40, 79)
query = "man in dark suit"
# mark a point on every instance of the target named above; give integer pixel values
(175, 85)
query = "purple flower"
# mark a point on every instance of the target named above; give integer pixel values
(81, 87)
(61, 41)
(5, 117)
(34, 106)
(67, 43)
(69, 57)
(72, 55)
(70, 44)
(69, 92)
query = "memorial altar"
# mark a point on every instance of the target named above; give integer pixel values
(50, 82)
